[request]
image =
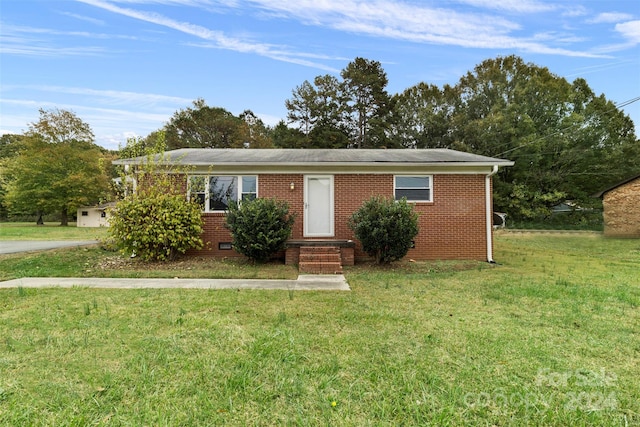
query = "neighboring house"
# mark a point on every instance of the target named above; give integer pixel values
(568, 206)
(621, 208)
(94, 216)
(451, 191)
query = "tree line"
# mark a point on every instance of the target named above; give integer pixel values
(53, 168)
(566, 141)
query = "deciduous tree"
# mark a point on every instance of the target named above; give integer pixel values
(423, 114)
(286, 137)
(566, 141)
(256, 133)
(201, 126)
(58, 168)
(10, 146)
(153, 143)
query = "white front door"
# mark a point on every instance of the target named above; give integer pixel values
(318, 205)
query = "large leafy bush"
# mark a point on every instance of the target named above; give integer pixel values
(385, 228)
(157, 223)
(259, 227)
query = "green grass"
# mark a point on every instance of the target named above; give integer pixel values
(49, 231)
(548, 337)
(97, 262)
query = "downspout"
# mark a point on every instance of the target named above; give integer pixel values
(488, 211)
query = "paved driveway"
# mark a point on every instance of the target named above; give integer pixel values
(16, 246)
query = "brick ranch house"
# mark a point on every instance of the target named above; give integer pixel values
(620, 208)
(451, 191)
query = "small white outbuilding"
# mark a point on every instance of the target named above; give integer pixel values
(94, 216)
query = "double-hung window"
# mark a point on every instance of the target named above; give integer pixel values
(198, 190)
(416, 188)
(248, 188)
(217, 192)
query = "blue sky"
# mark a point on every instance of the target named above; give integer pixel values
(125, 66)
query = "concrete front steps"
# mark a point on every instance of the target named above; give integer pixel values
(320, 260)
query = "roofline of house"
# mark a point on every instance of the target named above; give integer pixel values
(101, 206)
(379, 159)
(334, 169)
(613, 187)
(137, 161)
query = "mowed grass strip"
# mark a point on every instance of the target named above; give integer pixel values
(49, 231)
(547, 337)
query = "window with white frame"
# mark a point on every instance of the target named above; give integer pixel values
(249, 187)
(198, 190)
(216, 192)
(416, 188)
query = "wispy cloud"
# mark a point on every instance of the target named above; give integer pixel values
(200, 3)
(610, 18)
(17, 29)
(109, 124)
(135, 112)
(630, 30)
(419, 24)
(208, 5)
(111, 114)
(518, 6)
(387, 19)
(559, 38)
(601, 67)
(216, 38)
(83, 18)
(110, 97)
(33, 41)
(26, 48)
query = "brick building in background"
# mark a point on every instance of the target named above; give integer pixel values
(451, 191)
(621, 208)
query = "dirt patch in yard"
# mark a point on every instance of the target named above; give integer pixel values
(187, 263)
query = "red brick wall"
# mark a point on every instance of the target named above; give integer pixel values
(279, 187)
(214, 233)
(454, 225)
(451, 227)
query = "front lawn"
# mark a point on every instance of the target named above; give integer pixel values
(547, 337)
(49, 231)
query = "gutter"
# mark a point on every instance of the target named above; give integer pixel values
(169, 162)
(488, 212)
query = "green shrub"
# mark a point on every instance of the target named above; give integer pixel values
(385, 228)
(157, 223)
(259, 227)
(576, 220)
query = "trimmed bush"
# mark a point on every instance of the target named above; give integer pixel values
(259, 227)
(385, 228)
